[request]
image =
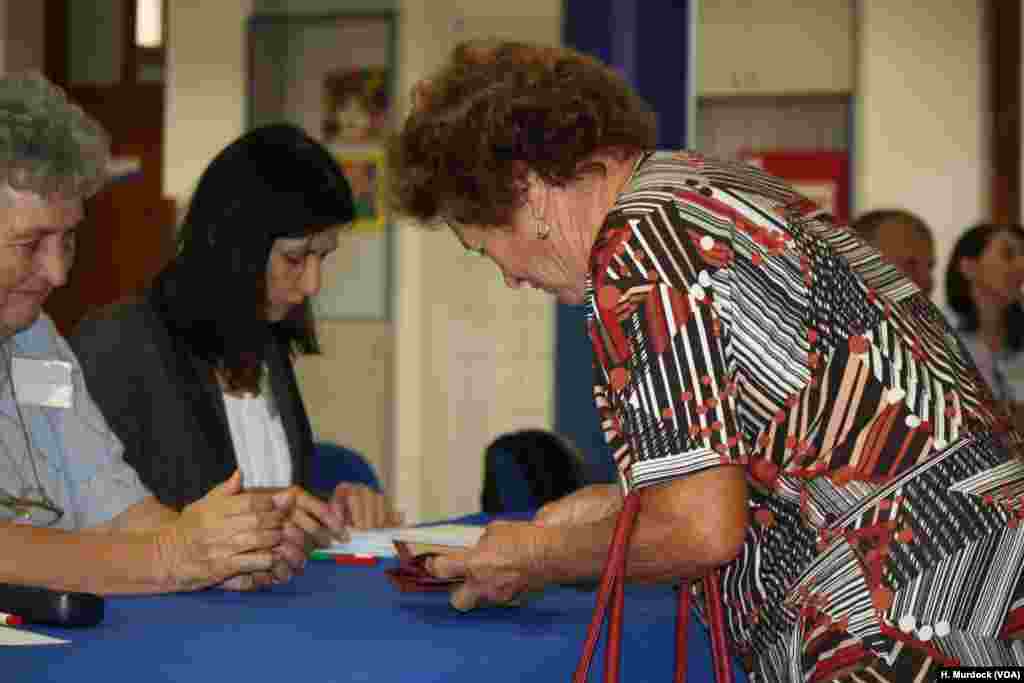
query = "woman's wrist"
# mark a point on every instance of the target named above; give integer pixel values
(163, 551)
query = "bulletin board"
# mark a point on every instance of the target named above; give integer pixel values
(821, 176)
(333, 75)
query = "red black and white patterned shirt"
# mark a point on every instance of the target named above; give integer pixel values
(733, 323)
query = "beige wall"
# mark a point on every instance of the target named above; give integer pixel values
(205, 105)
(473, 359)
(920, 128)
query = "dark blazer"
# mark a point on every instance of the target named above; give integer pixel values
(166, 407)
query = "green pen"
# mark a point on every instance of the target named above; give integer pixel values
(344, 558)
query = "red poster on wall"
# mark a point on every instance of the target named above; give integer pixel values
(821, 176)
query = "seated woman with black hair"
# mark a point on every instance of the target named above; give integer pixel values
(195, 376)
(983, 288)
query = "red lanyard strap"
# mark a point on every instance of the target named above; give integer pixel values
(611, 581)
(611, 595)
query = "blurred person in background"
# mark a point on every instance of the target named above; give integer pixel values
(983, 291)
(904, 240)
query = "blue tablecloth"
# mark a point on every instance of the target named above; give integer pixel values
(341, 623)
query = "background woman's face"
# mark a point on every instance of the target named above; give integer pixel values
(294, 270)
(998, 272)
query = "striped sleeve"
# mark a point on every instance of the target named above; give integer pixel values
(663, 389)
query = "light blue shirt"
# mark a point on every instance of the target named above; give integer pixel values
(78, 458)
(1003, 372)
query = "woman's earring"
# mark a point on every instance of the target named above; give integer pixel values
(543, 227)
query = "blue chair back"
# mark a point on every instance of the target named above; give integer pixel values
(333, 464)
(524, 470)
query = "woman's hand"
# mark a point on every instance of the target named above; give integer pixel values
(500, 568)
(589, 504)
(225, 536)
(361, 507)
(507, 561)
(312, 523)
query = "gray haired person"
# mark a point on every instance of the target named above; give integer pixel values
(73, 514)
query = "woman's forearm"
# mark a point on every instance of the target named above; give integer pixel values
(112, 563)
(683, 529)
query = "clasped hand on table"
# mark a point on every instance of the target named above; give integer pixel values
(251, 539)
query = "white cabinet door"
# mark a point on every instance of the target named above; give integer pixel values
(723, 38)
(775, 47)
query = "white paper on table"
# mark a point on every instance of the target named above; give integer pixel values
(376, 542)
(455, 535)
(19, 636)
(380, 542)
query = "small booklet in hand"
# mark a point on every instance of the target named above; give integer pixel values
(416, 545)
(411, 575)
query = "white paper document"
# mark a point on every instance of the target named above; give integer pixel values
(376, 542)
(19, 636)
(380, 542)
(456, 535)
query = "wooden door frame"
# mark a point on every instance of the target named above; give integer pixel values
(55, 55)
(130, 223)
(1002, 37)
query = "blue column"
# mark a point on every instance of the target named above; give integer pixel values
(649, 41)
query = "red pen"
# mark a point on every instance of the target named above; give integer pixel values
(10, 619)
(355, 560)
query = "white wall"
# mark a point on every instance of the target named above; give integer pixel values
(473, 359)
(920, 135)
(205, 103)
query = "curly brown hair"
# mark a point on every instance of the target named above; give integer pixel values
(498, 110)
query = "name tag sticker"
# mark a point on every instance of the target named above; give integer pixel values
(42, 382)
(1015, 373)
